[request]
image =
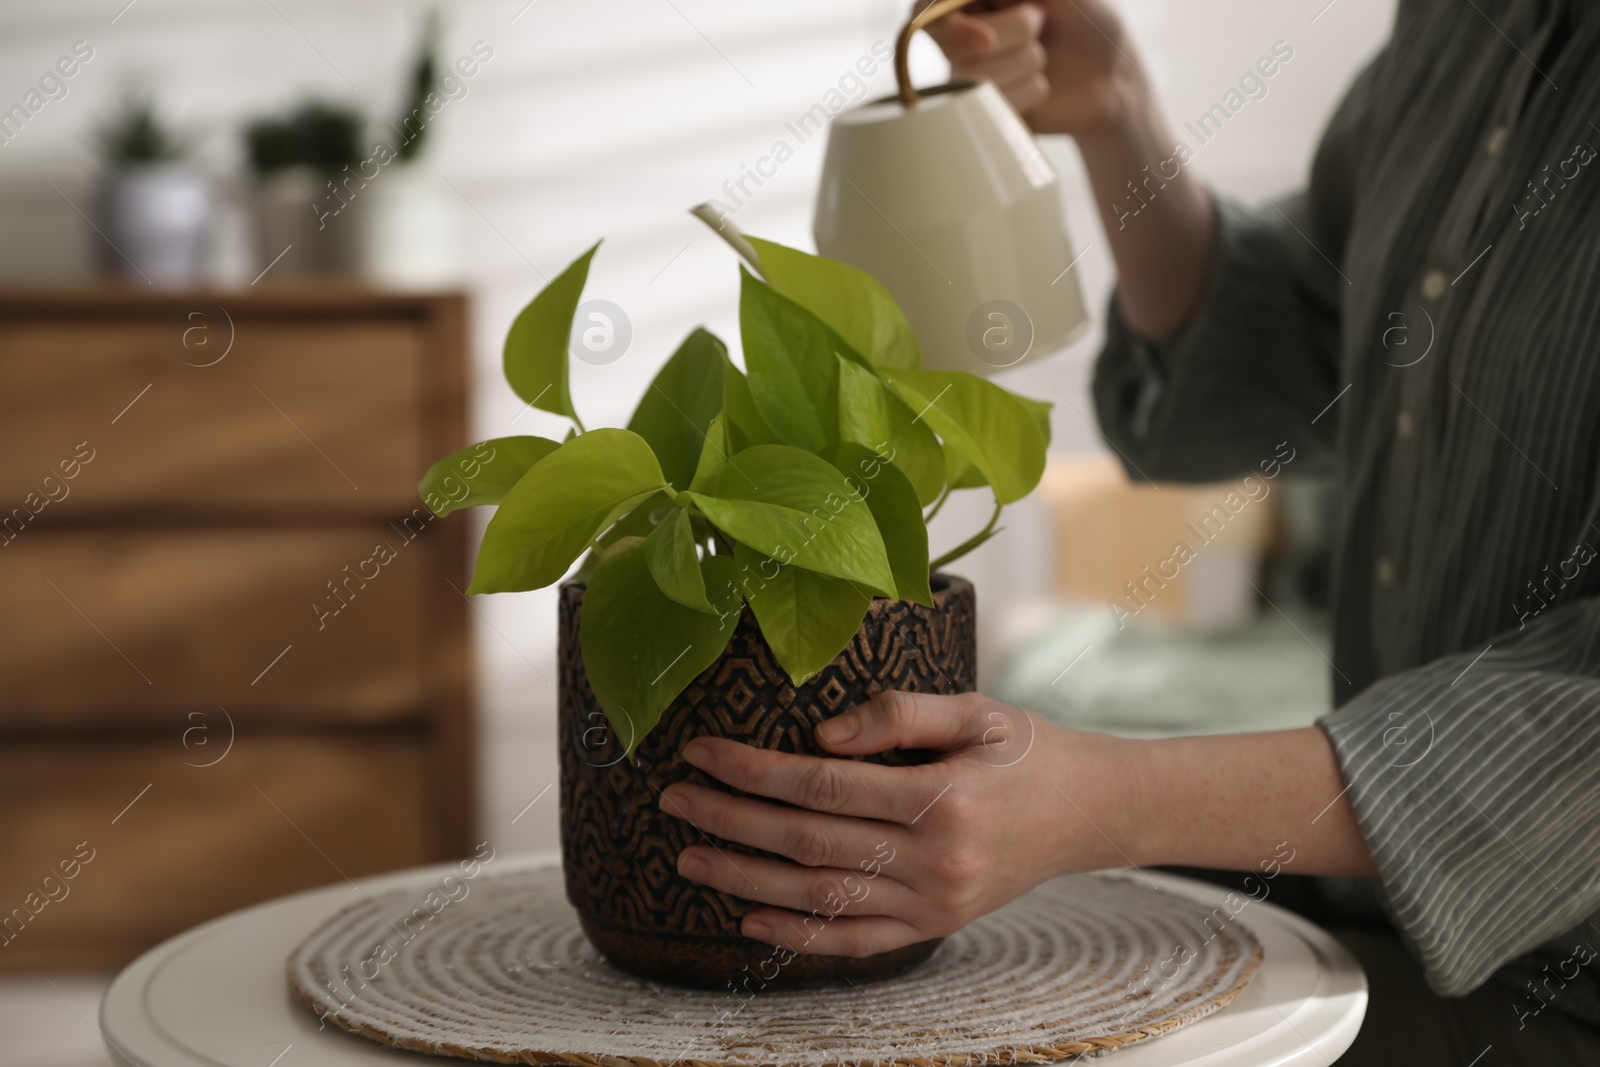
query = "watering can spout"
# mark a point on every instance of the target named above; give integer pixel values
(725, 229)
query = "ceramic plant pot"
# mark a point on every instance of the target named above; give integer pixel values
(620, 850)
(156, 218)
(410, 238)
(306, 229)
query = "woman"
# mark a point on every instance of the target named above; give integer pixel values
(1423, 323)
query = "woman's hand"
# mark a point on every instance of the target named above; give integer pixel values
(880, 857)
(1065, 65)
(889, 856)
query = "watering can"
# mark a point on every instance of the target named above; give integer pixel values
(945, 198)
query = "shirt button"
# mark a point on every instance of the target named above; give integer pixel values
(1405, 425)
(1434, 283)
(1385, 572)
(1496, 141)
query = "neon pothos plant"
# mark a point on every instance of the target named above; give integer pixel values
(796, 486)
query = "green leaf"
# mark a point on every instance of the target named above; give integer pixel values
(806, 618)
(552, 514)
(641, 648)
(713, 456)
(674, 563)
(481, 474)
(849, 300)
(746, 425)
(983, 423)
(898, 513)
(686, 395)
(1041, 414)
(960, 471)
(871, 415)
(797, 508)
(536, 345)
(790, 359)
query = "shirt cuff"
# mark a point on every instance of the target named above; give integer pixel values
(1250, 369)
(1472, 780)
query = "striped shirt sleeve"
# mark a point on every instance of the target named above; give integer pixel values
(1480, 858)
(1252, 369)
(1476, 782)
(1258, 362)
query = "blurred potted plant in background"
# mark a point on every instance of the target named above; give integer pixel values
(410, 237)
(308, 183)
(155, 208)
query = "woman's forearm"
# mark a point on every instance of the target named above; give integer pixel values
(1159, 219)
(1230, 801)
(1008, 801)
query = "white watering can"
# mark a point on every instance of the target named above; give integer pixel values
(945, 198)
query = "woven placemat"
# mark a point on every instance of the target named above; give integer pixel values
(1078, 965)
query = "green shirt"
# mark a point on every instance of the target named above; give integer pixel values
(1424, 322)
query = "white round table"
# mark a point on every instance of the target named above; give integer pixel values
(217, 997)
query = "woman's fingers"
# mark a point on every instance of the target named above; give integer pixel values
(825, 784)
(1014, 26)
(1027, 93)
(827, 891)
(894, 719)
(1006, 68)
(806, 837)
(970, 38)
(812, 935)
(961, 36)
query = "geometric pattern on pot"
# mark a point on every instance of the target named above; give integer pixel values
(619, 849)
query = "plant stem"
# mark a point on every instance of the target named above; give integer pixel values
(729, 233)
(944, 494)
(970, 543)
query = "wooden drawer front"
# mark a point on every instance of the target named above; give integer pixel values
(276, 815)
(138, 628)
(298, 413)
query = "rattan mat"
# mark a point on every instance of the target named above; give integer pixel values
(1078, 965)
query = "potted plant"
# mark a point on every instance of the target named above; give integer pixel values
(155, 207)
(308, 181)
(755, 560)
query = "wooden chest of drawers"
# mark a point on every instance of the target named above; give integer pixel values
(234, 658)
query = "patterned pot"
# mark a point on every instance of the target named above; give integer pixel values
(619, 850)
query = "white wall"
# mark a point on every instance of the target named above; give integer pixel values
(609, 118)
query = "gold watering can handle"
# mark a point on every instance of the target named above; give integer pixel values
(902, 46)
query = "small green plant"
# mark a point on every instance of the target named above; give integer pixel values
(424, 68)
(796, 486)
(137, 135)
(323, 136)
